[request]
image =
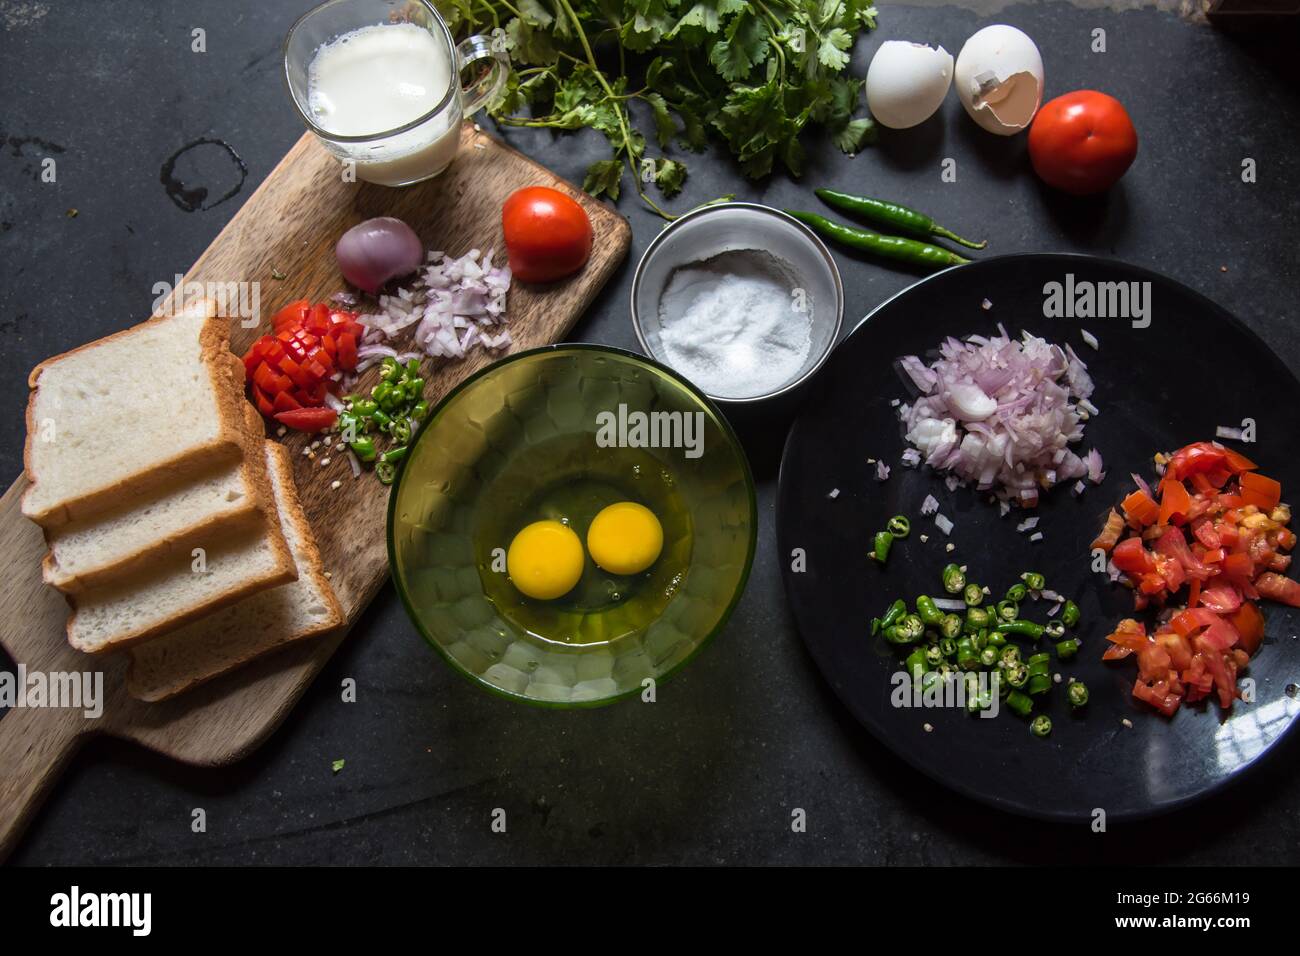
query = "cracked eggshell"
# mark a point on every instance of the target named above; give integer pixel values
(907, 82)
(999, 79)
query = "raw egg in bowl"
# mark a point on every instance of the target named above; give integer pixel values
(570, 523)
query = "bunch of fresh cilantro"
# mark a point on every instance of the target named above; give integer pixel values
(754, 72)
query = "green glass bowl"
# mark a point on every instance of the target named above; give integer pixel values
(546, 419)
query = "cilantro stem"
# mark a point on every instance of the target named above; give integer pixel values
(619, 109)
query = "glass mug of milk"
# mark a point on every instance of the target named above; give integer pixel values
(378, 82)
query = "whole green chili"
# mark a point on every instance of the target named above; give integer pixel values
(897, 217)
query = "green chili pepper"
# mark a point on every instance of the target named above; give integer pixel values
(1011, 655)
(915, 663)
(954, 579)
(393, 455)
(997, 639)
(1017, 593)
(385, 472)
(1017, 674)
(1008, 610)
(889, 247)
(1034, 581)
(973, 595)
(1054, 629)
(1070, 614)
(388, 368)
(1077, 694)
(881, 545)
(948, 646)
(380, 418)
(1038, 663)
(1022, 628)
(934, 655)
(967, 655)
(989, 656)
(1038, 684)
(1041, 725)
(1067, 649)
(977, 619)
(898, 526)
(897, 217)
(400, 429)
(893, 613)
(420, 411)
(413, 388)
(413, 367)
(928, 610)
(951, 626)
(364, 407)
(898, 634)
(363, 448)
(1020, 703)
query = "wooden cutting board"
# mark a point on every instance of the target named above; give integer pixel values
(288, 227)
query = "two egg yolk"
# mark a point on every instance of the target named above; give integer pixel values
(545, 559)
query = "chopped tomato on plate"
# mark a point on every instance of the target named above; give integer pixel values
(1218, 527)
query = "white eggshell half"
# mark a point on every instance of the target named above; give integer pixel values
(999, 79)
(907, 82)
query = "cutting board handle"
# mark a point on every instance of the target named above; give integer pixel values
(35, 743)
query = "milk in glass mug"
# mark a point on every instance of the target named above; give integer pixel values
(379, 82)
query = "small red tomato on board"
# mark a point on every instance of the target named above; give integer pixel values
(548, 235)
(1082, 142)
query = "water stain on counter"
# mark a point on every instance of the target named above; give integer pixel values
(199, 169)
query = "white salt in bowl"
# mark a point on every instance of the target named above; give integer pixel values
(801, 259)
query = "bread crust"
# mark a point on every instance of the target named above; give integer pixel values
(258, 508)
(282, 571)
(214, 342)
(157, 687)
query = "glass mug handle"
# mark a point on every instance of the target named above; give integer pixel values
(469, 51)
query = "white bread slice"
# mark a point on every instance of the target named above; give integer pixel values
(175, 592)
(140, 409)
(239, 633)
(142, 532)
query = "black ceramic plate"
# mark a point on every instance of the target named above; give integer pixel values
(1193, 368)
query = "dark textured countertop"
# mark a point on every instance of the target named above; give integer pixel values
(709, 773)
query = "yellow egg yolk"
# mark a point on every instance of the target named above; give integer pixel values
(545, 560)
(625, 538)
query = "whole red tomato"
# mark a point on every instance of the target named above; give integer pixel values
(1082, 142)
(548, 235)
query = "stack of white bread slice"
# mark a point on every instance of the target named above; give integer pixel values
(174, 526)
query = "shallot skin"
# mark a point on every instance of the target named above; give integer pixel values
(374, 252)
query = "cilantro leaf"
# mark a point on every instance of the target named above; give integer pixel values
(856, 134)
(832, 52)
(604, 176)
(744, 48)
(669, 176)
(665, 128)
